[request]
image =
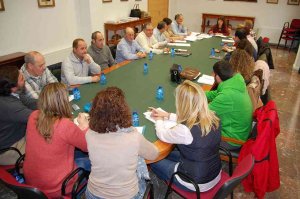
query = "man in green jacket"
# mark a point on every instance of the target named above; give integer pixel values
(231, 103)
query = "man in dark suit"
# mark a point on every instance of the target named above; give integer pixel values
(13, 113)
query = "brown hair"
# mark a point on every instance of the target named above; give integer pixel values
(76, 41)
(54, 105)
(109, 111)
(246, 45)
(242, 63)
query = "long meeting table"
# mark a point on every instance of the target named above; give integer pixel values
(140, 89)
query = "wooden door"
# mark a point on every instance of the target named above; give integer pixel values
(158, 9)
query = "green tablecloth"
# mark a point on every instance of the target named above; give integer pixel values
(140, 89)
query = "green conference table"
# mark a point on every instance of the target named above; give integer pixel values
(140, 89)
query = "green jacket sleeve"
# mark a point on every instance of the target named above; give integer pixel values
(211, 95)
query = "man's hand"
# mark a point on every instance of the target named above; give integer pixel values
(166, 50)
(21, 81)
(87, 58)
(141, 54)
(95, 78)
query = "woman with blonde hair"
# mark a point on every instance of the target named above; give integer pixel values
(51, 138)
(197, 136)
(242, 63)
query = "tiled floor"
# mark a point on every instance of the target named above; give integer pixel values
(285, 84)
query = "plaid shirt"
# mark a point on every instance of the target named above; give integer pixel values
(34, 85)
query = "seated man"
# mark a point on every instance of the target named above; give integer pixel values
(177, 26)
(78, 65)
(147, 41)
(169, 32)
(100, 52)
(158, 32)
(13, 114)
(36, 74)
(128, 48)
(231, 103)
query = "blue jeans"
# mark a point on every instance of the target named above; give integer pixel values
(82, 160)
(165, 168)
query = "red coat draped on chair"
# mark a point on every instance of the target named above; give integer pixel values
(265, 175)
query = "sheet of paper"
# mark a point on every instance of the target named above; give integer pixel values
(228, 40)
(76, 121)
(167, 123)
(180, 41)
(140, 129)
(203, 36)
(190, 38)
(71, 97)
(206, 79)
(179, 44)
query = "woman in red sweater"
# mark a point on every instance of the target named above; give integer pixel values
(220, 27)
(51, 138)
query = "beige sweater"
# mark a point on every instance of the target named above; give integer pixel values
(114, 159)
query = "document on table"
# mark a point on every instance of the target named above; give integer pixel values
(140, 129)
(228, 40)
(203, 36)
(167, 123)
(179, 41)
(179, 44)
(190, 38)
(71, 97)
(206, 79)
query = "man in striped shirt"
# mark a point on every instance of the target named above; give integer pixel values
(36, 74)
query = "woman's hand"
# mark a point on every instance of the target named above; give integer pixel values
(158, 114)
(83, 121)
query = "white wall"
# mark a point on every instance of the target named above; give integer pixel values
(25, 27)
(269, 18)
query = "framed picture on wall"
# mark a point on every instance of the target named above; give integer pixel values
(293, 2)
(2, 8)
(106, 1)
(124, 0)
(46, 3)
(272, 1)
(243, 0)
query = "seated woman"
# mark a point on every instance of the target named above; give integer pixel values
(51, 138)
(114, 146)
(242, 63)
(220, 27)
(169, 32)
(197, 136)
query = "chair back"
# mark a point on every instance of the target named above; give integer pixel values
(23, 191)
(295, 24)
(240, 172)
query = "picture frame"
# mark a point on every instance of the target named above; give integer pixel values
(124, 0)
(46, 3)
(106, 1)
(293, 2)
(272, 1)
(2, 8)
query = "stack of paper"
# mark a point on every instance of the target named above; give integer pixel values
(190, 38)
(167, 123)
(179, 44)
(206, 79)
(203, 36)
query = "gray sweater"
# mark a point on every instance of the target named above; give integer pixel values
(75, 71)
(101, 56)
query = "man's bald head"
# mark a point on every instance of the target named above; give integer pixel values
(129, 34)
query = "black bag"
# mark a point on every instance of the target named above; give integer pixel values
(135, 12)
(175, 73)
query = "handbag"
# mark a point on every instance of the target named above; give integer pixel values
(135, 11)
(190, 73)
(175, 73)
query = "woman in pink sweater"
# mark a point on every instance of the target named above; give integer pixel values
(51, 138)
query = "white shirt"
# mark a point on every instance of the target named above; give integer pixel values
(149, 43)
(179, 134)
(160, 36)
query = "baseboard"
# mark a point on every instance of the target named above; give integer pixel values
(56, 56)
